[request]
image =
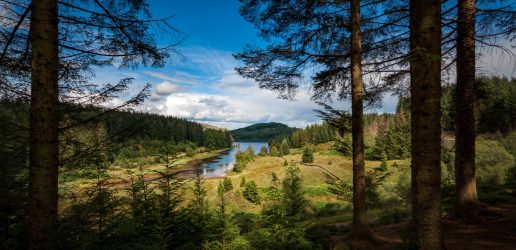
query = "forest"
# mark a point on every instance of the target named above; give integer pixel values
(262, 132)
(88, 163)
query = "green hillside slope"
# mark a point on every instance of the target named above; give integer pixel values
(262, 132)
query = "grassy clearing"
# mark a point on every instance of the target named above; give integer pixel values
(314, 178)
(75, 180)
(325, 204)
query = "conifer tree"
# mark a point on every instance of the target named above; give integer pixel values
(44, 119)
(308, 155)
(228, 184)
(250, 192)
(425, 89)
(242, 181)
(467, 204)
(284, 148)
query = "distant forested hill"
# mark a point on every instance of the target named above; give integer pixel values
(262, 132)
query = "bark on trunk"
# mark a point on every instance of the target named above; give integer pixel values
(425, 89)
(43, 158)
(361, 233)
(467, 204)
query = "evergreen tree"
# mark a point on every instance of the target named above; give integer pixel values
(294, 199)
(44, 123)
(228, 184)
(242, 181)
(284, 215)
(199, 214)
(284, 148)
(308, 155)
(394, 139)
(425, 90)
(250, 192)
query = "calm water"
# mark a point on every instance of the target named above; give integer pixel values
(217, 166)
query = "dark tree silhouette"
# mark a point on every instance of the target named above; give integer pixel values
(43, 153)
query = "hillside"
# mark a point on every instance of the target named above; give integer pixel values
(262, 132)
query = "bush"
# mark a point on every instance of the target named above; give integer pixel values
(392, 216)
(329, 209)
(263, 151)
(308, 155)
(509, 142)
(274, 151)
(190, 152)
(493, 162)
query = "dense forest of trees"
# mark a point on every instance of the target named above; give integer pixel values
(312, 134)
(495, 105)
(145, 126)
(262, 132)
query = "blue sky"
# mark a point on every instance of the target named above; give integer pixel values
(202, 85)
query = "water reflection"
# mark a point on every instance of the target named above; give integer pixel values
(217, 166)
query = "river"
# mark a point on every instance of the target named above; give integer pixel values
(218, 165)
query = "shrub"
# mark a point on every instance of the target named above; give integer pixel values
(493, 162)
(392, 216)
(274, 151)
(329, 209)
(509, 142)
(308, 155)
(190, 152)
(263, 151)
(250, 152)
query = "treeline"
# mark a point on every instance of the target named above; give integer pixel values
(146, 126)
(141, 128)
(312, 134)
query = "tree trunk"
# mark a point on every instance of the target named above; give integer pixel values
(425, 89)
(467, 201)
(361, 233)
(43, 159)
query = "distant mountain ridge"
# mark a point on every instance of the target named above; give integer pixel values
(262, 132)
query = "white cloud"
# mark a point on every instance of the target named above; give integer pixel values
(216, 94)
(180, 78)
(241, 110)
(165, 88)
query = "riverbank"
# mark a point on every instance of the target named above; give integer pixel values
(119, 177)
